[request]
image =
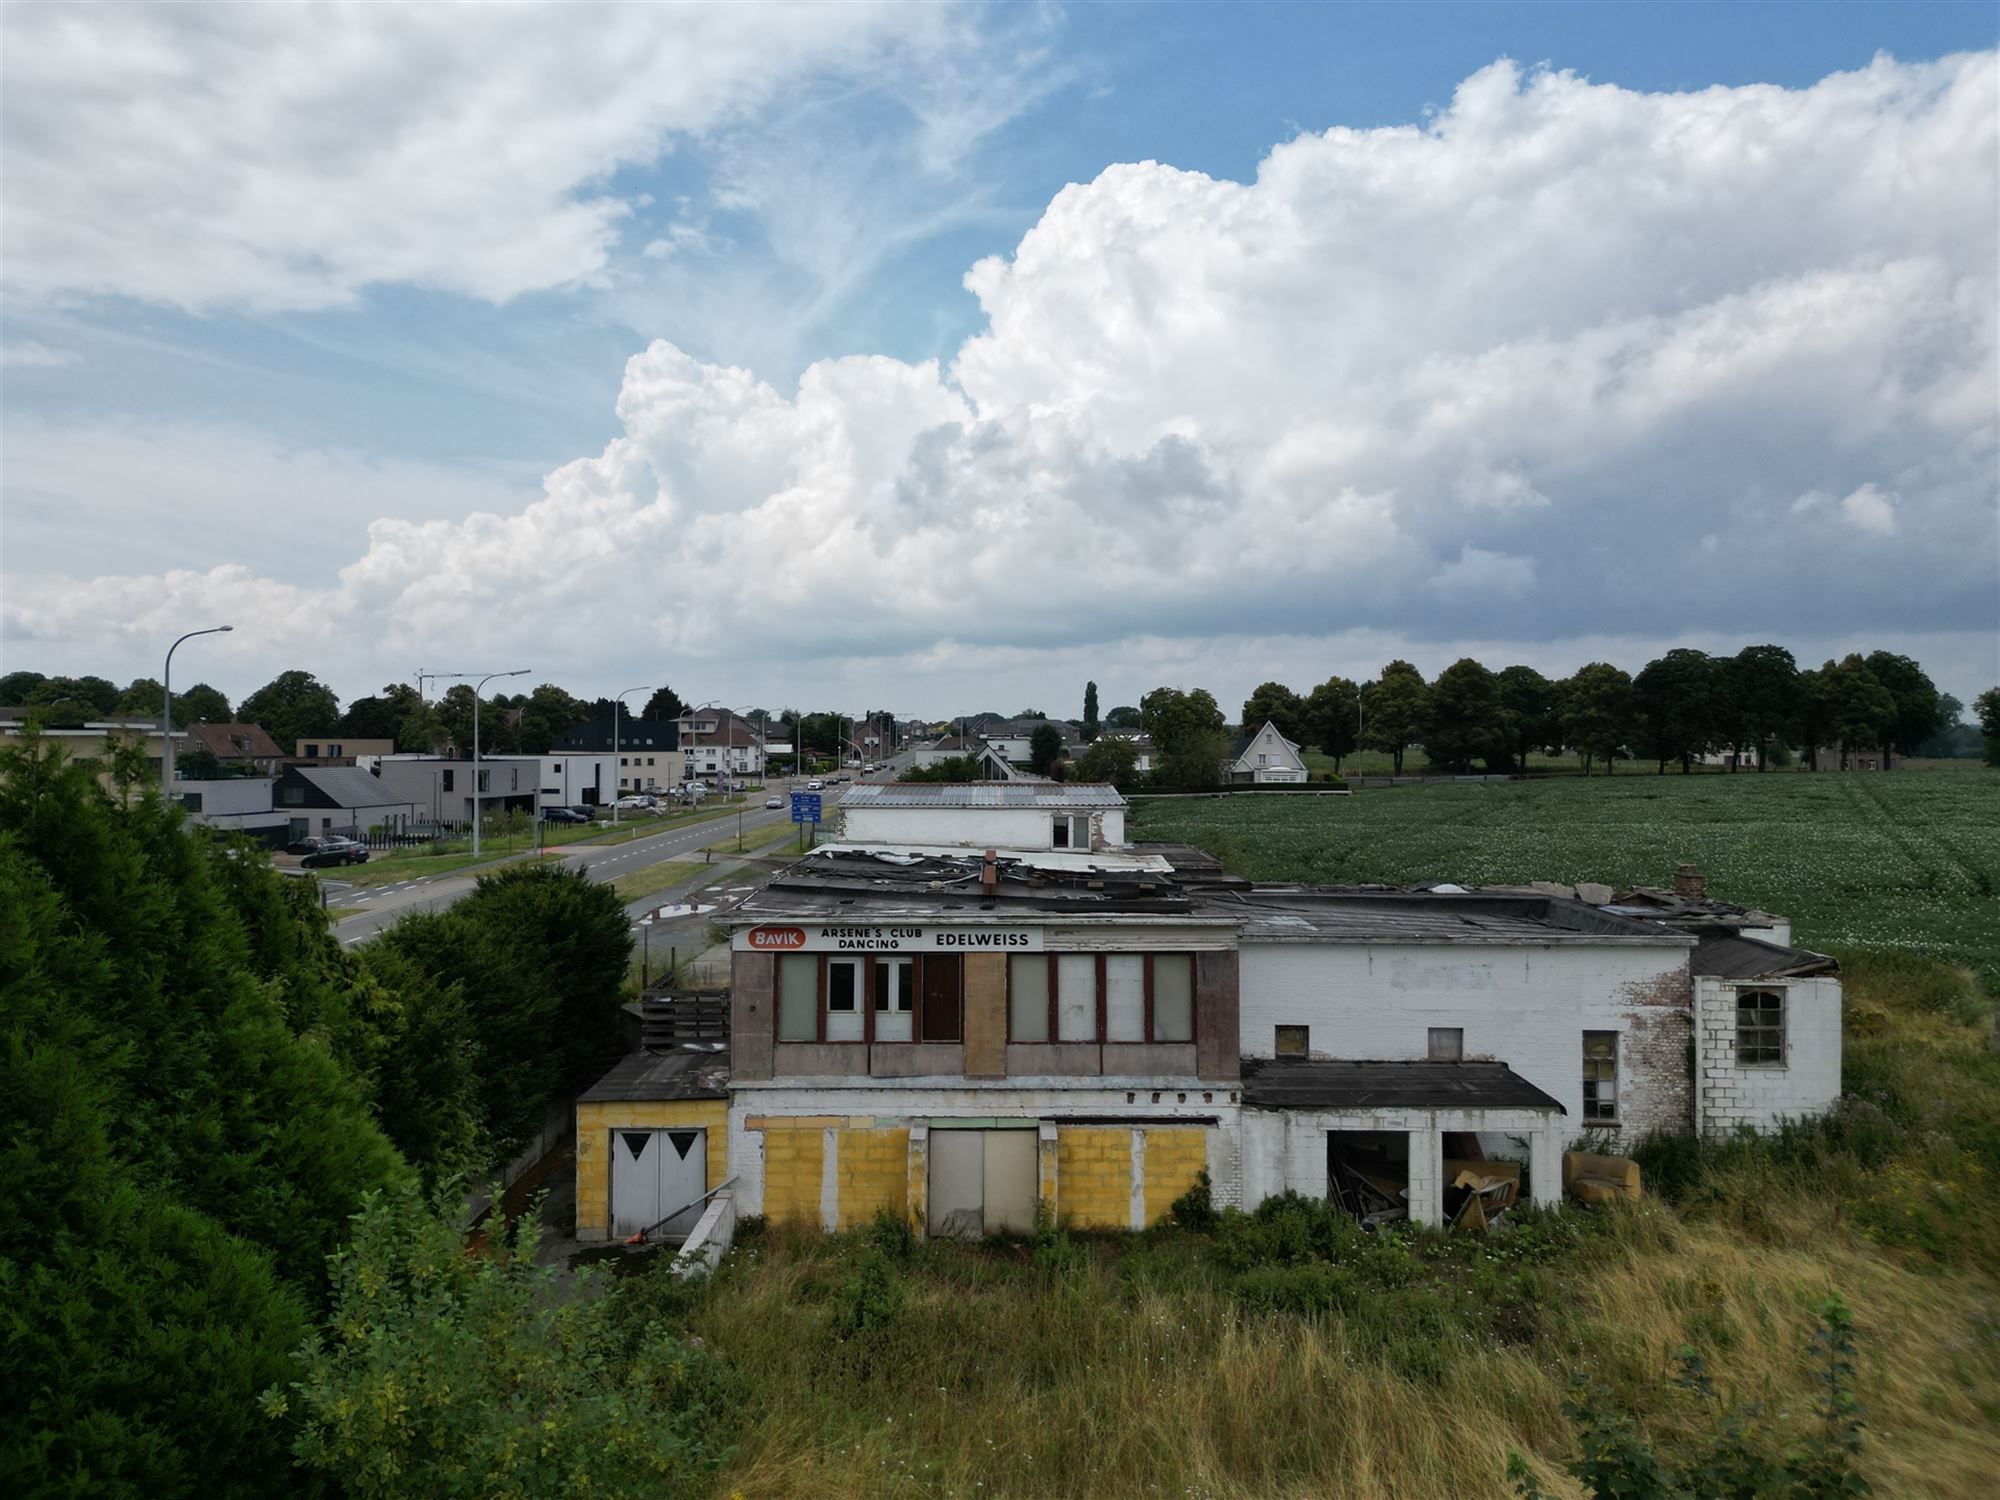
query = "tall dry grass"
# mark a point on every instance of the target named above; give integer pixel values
(1139, 1366)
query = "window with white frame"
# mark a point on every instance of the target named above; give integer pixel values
(1760, 1028)
(1114, 997)
(1600, 1077)
(1071, 832)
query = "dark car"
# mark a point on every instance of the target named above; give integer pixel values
(564, 815)
(335, 852)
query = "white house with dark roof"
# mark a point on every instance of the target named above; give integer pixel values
(1263, 755)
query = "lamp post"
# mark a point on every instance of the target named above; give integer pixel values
(619, 781)
(167, 710)
(477, 689)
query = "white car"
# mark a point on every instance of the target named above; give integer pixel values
(635, 804)
(815, 785)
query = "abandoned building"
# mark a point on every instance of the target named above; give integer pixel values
(974, 1038)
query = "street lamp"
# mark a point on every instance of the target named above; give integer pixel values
(167, 711)
(618, 781)
(480, 687)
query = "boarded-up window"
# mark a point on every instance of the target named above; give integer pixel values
(1760, 1027)
(1125, 998)
(798, 997)
(1173, 997)
(1028, 998)
(942, 982)
(1076, 997)
(1600, 1075)
(1294, 1041)
(1447, 1043)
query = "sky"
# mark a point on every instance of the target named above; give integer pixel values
(941, 359)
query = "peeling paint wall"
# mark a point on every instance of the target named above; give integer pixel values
(596, 1121)
(1524, 1004)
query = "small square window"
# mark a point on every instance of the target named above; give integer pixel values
(1447, 1043)
(1294, 1041)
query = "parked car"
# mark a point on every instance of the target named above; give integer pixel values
(635, 804)
(564, 815)
(774, 801)
(335, 851)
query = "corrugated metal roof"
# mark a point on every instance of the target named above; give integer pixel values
(1055, 796)
(1289, 1083)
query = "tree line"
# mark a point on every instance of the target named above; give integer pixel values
(1755, 706)
(199, 1091)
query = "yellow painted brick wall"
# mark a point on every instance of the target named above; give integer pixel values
(873, 1173)
(985, 1015)
(1094, 1176)
(594, 1124)
(793, 1159)
(1173, 1158)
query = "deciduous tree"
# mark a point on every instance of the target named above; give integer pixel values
(1598, 712)
(1987, 707)
(1277, 704)
(1089, 727)
(1397, 711)
(1679, 706)
(1530, 711)
(664, 704)
(1045, 748)
(202, 704)
(1330, 715)
(1763, 696)
(1110, 758)
(291, 707)
(1919, 710)
(1860, 711)
(1466, 720)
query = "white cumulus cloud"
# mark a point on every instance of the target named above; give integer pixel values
(1501, 373)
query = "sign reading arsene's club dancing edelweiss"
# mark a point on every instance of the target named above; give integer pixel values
(815, 938)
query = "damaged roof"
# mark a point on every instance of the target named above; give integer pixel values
(1728, 956)
(1303, 1083)
(687, 1073)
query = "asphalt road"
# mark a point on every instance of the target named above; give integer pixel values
(384, 904)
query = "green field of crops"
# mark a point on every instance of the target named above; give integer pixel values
(1856, 860)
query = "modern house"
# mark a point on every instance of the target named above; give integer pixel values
(975, 1038)
(344, 800)
(340, 750)
(647, 751)
(1263, 755)
(236, 804)
(449, 789)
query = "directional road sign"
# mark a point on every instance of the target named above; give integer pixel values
(805, 807)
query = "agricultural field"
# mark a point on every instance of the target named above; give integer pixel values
(1857, 861)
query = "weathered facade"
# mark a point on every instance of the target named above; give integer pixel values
(977, 1040)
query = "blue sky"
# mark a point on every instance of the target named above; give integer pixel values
(199, 376)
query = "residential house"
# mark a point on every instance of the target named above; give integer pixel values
(1014, 738)
(236, 804)
(1262, 756)
(950, 747)
(242, 748)
(340, 750)
(1145, 755)
(448, 790)
(717, 744)
(647, 750)
(345, 800)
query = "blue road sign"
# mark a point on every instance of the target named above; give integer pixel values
(805, 807)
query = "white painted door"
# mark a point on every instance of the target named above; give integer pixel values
(958, 1174)
(843, 999)
(654, 1172)
(1010, 1181)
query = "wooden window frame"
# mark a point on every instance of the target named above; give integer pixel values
(1592, 1112)
(1775, 1030)
(869, 984)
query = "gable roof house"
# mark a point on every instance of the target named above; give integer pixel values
(1262, 756)
(244, 747)
(344, 800)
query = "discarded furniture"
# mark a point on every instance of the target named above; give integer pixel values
(1590, 1178)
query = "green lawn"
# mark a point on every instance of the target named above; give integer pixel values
(1857, 860)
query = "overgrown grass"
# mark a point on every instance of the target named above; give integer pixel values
(654, 878)
(1286, 1354)
(1856, 860)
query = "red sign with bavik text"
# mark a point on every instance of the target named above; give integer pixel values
(777, 937)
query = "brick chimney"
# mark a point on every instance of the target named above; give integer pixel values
(989, 874)
(1688, 883)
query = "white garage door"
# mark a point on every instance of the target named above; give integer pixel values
(654, 1172)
